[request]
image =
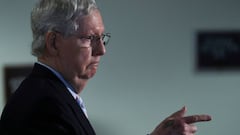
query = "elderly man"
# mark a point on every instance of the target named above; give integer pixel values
(68, 41)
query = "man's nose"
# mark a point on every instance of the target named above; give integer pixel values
(99, 48)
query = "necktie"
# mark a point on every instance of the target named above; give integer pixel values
(81, 104)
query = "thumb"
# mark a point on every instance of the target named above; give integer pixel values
(179, 113)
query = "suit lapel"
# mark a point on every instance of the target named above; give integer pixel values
(84, 122)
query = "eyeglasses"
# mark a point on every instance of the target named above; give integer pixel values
(94, 38)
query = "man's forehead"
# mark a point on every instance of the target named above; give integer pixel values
(91, 23)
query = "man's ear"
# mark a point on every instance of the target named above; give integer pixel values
(51, 47)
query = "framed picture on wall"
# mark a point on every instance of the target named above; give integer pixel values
(218, 50)
(13, 76)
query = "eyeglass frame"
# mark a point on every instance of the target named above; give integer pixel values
(93, 37)
(97, 38)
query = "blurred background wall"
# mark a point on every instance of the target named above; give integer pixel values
(149, 69)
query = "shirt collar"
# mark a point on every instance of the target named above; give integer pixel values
(59, 76)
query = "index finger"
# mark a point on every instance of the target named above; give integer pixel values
(196, 118)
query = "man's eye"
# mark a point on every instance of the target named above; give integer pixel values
(90, 37)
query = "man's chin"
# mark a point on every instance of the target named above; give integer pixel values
(91, 75)
(88, 76)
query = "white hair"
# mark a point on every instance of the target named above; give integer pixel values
(56, 15)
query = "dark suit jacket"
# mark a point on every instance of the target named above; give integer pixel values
(43, 106)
